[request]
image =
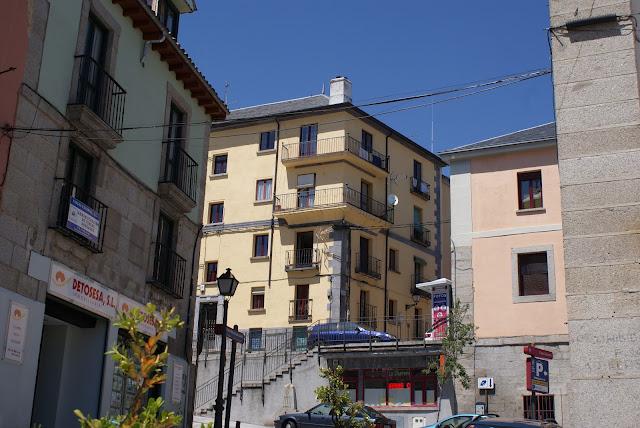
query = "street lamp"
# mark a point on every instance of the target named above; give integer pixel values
(227, 284)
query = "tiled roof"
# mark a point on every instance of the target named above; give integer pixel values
(536, 134)
(280, 107)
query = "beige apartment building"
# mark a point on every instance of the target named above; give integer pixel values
(508, 265)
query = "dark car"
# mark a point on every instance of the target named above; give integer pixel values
(334, 333)
(320, 416)
(512, 423)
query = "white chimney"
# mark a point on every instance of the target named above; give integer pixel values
(339, 90)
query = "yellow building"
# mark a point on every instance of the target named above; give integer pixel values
(323, 213)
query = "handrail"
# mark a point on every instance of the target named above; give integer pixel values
(420, 187)
(179, 168)
(368, 266)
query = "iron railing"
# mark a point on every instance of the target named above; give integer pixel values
(539, 407)
(97, 90)
(368, 265)
(82, 217)
(302, 258)
(417, 279)
(300, 309)
(169, 270)
(335, 196)
(339, 144)
(420, 187)
(179, 169)
(421, 235)
(368, 315)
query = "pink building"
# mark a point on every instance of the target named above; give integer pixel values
(508, 264)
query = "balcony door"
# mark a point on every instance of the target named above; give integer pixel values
(164, 248)
(302, 301)
(308, 140)
(304, 249)
(175, 141)
(365, 196)
(79, 173)
(91, 85)
(364, 255)
(417, 171)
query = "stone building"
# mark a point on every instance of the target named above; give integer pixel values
(101, 203)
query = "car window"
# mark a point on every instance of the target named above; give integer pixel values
(456, 422)
(372, 412)
(321, 409)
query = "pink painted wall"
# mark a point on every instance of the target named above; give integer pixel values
(13, 53)
(498, 228)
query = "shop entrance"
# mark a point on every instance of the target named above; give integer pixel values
(70, 365)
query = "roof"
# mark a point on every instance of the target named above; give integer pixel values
(280, 107)
(537, 134)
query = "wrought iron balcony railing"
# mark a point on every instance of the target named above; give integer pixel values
(421, 235)
(82, 217)
(179, 168)
(325, 198)
(169, 270)
(368, 265)
(339, 144)
(367, 316)
(300, 309)
(97, 90)
(420, 188)
(302, 258)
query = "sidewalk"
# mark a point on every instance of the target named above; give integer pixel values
(197, 420)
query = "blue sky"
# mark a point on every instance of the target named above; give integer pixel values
(270, 50)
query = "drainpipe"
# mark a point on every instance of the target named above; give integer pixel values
(386, 238)
(273, 203)
(147, 44)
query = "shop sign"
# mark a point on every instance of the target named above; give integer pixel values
(176, 385)
(440, 311)
(82, 291)
(16, 332)
(538, 375)
(147, 326)
(83, 220)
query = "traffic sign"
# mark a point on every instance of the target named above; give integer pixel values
(485, 383)
(232, 334)
(537, 375)
(538, 353)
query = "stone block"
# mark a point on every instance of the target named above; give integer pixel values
(587, 143)
(593, 401)
(20, 258)
(563, 7)
(604, 194)
(603, 305)
(602, 250)
(12, 229)
(591, 279)
(593, 44)
(575, 119)
(9, 277)
(599, 66)
(596, 92)
(595, 169)
(28, 286)
(601, 220)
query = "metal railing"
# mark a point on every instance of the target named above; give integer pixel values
(417, 279)
(169, 270)
(339, 144)
(302, 258)
(179, 168)
(300, 309)
(420, 187)
(368, 265)
(334, 196)
(367, 316)
(421, 235)
(96, 89)
(82, 217)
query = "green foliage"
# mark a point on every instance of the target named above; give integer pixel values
(141, 362)
(344, 412)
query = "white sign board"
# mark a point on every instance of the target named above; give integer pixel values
(176, 384)
(147, 326)
(83, 220)
(16, 332)
(485, 383)
(82, 291)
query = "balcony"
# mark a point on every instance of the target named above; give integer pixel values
(343, 148)
(421, 235)
(97, 102)
(332, 204)
(367, 316)
(420, 188)
(81, 217)
(300, 310)
(179, 177)
(302, 259)
(369, 266)
(418, 279)
(169, 270)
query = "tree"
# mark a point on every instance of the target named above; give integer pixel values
(344, 412)
(459, 335)
(141, 362)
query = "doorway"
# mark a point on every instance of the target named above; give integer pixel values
(304, 249)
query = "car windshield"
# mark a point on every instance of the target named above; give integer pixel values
(372, 413)
(320, 409)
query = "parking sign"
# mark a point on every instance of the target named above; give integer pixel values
(538, 375)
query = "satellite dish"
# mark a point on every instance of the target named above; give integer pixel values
(392, 199)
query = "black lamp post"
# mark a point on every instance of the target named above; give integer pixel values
(227, 284)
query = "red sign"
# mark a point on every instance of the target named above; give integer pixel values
(538, 353)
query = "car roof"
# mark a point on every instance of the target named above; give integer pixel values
(508, 422)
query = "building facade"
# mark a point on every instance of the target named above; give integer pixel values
(100, 205)
(508, 266)
(595, 76)
(325, 215)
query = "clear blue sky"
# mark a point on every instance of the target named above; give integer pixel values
(270, 50)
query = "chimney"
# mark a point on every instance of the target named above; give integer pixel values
(339, 90)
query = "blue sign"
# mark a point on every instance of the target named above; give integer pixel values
(539, 375)
(83, 220)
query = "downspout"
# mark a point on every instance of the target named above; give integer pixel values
(386, 238)
(273, 202)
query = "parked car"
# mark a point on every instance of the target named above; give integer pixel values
(320, 416)
(512, 423)
(461, 420)
(333, 333)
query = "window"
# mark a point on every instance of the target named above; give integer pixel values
(417, 170)
(393, 309)
(308, 140)
(396, 387)
(257, 298)
(169, 16)
(216, 213)
(263, 190)
(306, 190)
(393, 260)
(261, 246)
(220, 165)
(530, 190)
(79, 171)
(255, 339)
(267, 140)
(533, 275)
(211, 274)
(544, 407)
